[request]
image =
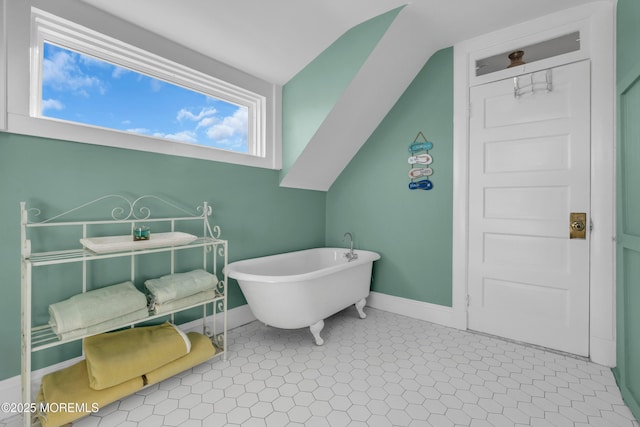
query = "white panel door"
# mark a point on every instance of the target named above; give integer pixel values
(529, 169)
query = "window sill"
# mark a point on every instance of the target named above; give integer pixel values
(48, 128)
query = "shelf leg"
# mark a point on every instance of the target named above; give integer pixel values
(26, 339)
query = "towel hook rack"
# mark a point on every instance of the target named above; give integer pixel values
(519, 90)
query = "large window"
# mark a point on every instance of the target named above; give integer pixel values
(83, 89)
(90, 87)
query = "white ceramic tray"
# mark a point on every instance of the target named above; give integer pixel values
(126, 243)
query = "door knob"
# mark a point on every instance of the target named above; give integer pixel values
(577, 225)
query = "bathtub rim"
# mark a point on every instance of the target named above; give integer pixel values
(364, 257)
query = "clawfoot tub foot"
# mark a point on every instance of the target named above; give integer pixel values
(360, 307)
(315, 330)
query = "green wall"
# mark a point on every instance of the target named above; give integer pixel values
(255, 214)
(628, 35)
(310, 95)
(410, 229)
(628, 204)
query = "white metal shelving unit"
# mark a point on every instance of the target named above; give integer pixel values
(131, 213)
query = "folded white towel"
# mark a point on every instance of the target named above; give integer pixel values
(94, 307)
(180, 285)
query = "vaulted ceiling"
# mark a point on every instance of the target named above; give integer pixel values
(275, 39)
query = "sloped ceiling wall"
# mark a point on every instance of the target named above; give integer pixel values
(385, 74)
(309, 97)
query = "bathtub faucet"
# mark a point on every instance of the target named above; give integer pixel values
(350, 255)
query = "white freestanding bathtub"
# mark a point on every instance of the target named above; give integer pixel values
(301, 289)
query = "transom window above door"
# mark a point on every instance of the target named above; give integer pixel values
(556, 46)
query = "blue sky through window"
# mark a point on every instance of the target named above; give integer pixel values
(83, 89)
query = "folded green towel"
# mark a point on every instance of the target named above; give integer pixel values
(184, 302)
(116, 357)
(109, 325)
(179, 285)
(97, 306)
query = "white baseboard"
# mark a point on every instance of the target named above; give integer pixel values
(602, 351)
(235, 317)
(10, 389)
(434, 313)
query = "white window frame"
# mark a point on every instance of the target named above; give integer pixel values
(24, 115)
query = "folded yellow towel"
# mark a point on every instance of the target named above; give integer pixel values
(201, 350)
(115, 357)
(70, 387)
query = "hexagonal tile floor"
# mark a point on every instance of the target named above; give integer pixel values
(385, 370)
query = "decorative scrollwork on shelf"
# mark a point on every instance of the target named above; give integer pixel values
(128, 210)
(219, 341)
(220, 287)
(205, 212)
(214, 232)
(32, 213)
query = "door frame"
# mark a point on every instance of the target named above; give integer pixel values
(596, 23)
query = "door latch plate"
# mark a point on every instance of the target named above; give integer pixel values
(578, 225)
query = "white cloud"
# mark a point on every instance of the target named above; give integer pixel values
(223, 132)
(207, 122)
(184, 136)
(204, 112)
(232, 131)
(51, 104)
(138, 130)
(118, 72)
(61, 72)
(156, 85)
